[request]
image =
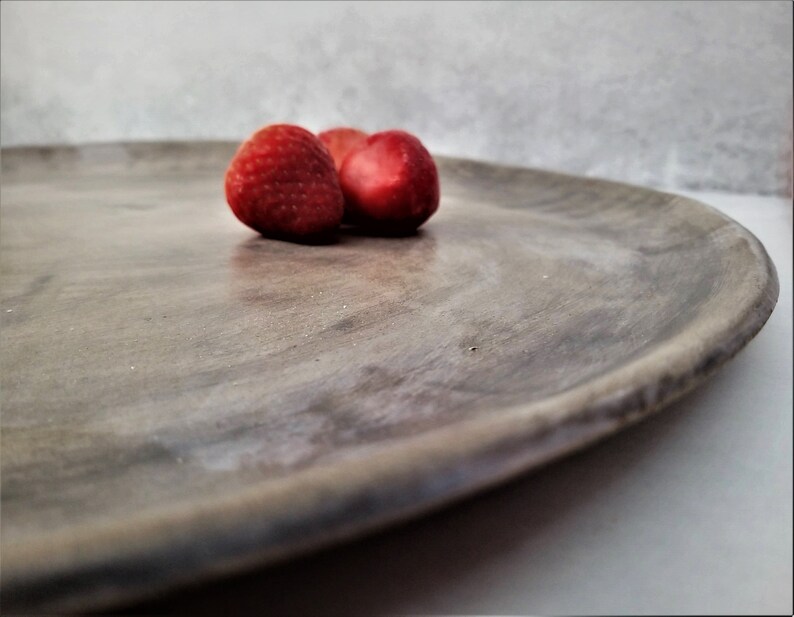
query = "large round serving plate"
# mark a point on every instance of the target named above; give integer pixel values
(181, 397)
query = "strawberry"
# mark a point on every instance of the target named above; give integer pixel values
(340, 141)
(282, 183)
(390, 183)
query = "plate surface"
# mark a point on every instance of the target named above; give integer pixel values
(181, 397)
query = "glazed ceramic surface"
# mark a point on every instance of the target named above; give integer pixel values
(181, 397)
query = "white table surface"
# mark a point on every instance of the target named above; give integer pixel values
(688, 512)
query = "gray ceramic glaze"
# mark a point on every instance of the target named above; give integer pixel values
(181, 397)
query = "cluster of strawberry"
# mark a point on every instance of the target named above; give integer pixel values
(285, 182)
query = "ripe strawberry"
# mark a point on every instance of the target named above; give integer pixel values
(340, 141)
(390, 183)
(282, 183)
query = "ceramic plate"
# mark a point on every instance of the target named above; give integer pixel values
(181, 397)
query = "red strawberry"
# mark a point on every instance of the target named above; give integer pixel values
(340, 141)
(390, 183)
(282, 183)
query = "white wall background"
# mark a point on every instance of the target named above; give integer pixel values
(680, 94)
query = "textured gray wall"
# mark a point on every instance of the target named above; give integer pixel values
(694, 95)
